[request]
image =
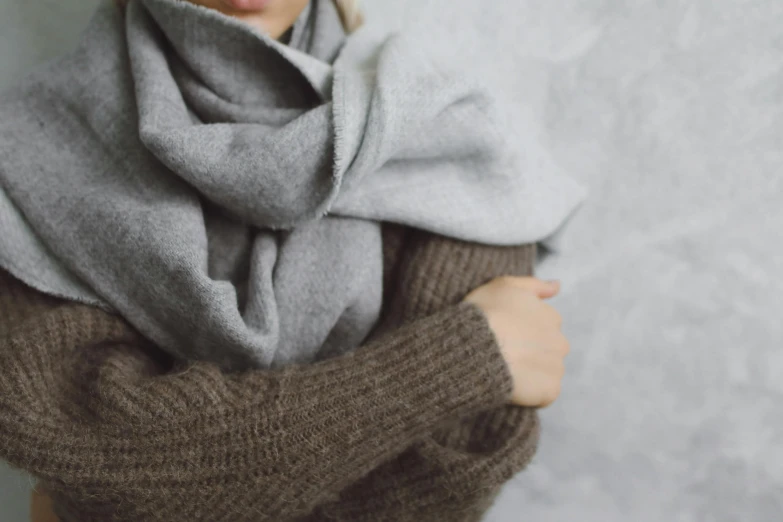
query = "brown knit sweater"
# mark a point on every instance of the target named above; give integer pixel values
(411, 427)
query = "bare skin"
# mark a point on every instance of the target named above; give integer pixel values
(529, 335)
(273, 17)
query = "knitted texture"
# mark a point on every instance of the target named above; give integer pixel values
(412, 426)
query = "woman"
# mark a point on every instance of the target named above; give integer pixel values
(415, 425)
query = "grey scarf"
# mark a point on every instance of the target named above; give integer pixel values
(224, 192)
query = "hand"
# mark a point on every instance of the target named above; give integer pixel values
(528, 332)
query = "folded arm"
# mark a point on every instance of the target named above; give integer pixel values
(97, 414)
(455, 471)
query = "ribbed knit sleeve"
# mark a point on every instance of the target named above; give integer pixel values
(455, 472)
(116, 434)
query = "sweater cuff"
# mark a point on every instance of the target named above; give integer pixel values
(456, 363)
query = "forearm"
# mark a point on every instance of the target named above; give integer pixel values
(456, 470)
(453, 474)
(95, 416)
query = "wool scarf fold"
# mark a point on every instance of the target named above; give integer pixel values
(223, 191)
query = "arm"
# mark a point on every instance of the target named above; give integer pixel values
(90, 408)
(455, 471)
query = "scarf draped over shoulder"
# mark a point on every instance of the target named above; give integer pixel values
(224, 192)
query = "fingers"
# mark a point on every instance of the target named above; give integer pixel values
(542, 289)
(551, 383)
(550, 315)
(563, 345)
(552, 394)
(552, 289)
(540, 391)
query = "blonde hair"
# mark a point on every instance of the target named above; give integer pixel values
(349, 11)
(350, 14)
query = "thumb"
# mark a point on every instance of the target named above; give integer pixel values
(543, 289)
